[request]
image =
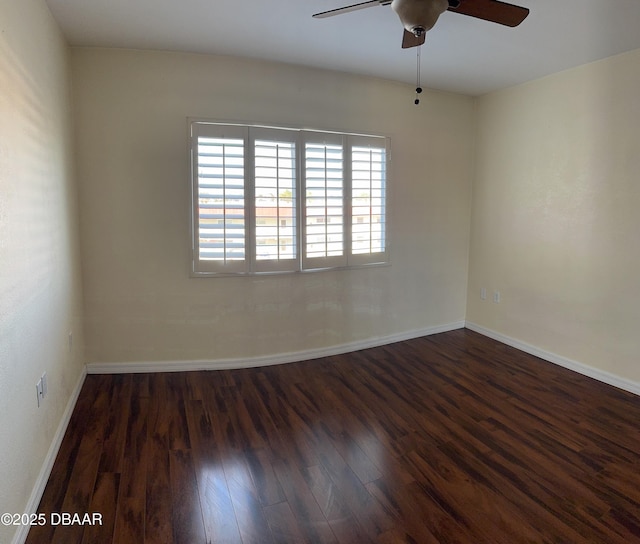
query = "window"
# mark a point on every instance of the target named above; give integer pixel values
(368, 201)
(324, 207)
(219, 201)
(281, 200)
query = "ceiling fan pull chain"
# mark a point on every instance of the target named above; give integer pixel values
(418, 87)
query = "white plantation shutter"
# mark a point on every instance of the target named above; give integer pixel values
(219, 199)
(324, 205)
(275, 199)
(268, 199)
(368, 199)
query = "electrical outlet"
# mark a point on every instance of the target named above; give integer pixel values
(483, 293)
(39, 394)
(496, 297)
(41, 389)
(70, 341)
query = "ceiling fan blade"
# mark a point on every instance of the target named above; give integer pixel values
(409, 39)
(354, 7)
(491, 10)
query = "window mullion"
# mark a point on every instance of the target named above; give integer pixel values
(278, 207)
(300, 207)
(370, 201)
(348, 205)
(250, 203)
(326, 203)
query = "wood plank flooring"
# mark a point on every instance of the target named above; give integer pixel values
(451, 438)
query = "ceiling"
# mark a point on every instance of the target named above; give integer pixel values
(461, 54)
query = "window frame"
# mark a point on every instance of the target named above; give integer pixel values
(301, 262)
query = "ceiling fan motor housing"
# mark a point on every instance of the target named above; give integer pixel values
(418, 16)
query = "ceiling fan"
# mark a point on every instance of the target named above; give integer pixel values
(419, 16)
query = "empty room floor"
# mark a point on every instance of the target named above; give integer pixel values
(448, 438)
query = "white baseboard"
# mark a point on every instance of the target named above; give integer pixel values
(580, 368)
(266, 360)
(41, 482)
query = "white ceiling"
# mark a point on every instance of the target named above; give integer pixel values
(461, 54)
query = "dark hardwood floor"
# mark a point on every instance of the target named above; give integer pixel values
(448, 438)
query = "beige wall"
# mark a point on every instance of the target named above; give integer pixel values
(141, 304)
(555, 223)
(40, 299)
